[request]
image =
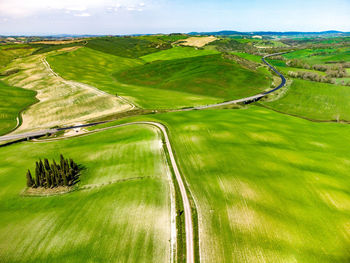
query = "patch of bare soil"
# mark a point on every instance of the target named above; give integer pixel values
(69, 49)
(196, 41)
(41, 191)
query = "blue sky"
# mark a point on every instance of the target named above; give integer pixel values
(164, 16)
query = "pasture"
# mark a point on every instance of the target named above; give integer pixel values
(268, 187)
(120, 211)
(319, 101)
(129, 47)
(210, 75)
(12, 101)
(177, 53)
(60, 102)
(97, 69)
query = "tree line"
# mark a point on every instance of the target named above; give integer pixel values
(64, 173)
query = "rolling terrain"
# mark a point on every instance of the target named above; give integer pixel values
(209, 176)
(261, 196)
(120, 210)
(13, 101)
(59, 100)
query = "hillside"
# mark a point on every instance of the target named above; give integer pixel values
(205, 75)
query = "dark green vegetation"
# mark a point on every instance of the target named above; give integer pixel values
(126, 46)
(47, 175)
(210, 75)
(13, 101)
(44, 48)
(120, 211)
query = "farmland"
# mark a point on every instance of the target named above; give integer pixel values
(260, 195)
(13, 101)
(56, 95)
(253, 181)
(204, 75)
(318, 101)
(123, 205)
(97, 68)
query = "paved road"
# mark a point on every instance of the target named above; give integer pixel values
(161, 127)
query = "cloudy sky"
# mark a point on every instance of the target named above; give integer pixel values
(42, 17)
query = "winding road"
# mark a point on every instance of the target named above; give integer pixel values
(162, 128)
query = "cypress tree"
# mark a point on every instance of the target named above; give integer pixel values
(47, 165)
(30, 181)
(47, 177)
(42, 169)
(62, 161)
(52, 179)
(37, 174)
(65, 181)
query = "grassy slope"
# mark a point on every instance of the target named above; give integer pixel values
(177, 53)
(251, 57)
(96, 68)
(60, 102)
(12, 101)
(268, 187)
(123, 46)
(341, 54)
(315, 100)
(205, 75)
(10, 52)
(263, 196)
(110, 221)
(320, 101)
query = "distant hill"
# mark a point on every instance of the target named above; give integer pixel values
(269, 33)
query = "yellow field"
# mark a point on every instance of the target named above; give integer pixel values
(197, 41)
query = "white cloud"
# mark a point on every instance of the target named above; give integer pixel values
(23, 8)
(82, 14)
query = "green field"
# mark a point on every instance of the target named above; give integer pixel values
(269, 182)
(268, 187)
(177, 53)
(205, 75)
(251, 57)
(120, 212)
(10, 52)
(312, 57)
(96, 68)
(12, 101)
(60, 102)
(319, 101)
(126, 46)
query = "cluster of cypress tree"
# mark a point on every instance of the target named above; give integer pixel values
(52, 175)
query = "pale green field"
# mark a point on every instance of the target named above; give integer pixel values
(11, 52)
(177, 53)
(120, 212)
(96, 68)
(268, 187)
(319, 101)
(61, 102)
(12, 101)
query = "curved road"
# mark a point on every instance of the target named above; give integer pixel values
(162, 128)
